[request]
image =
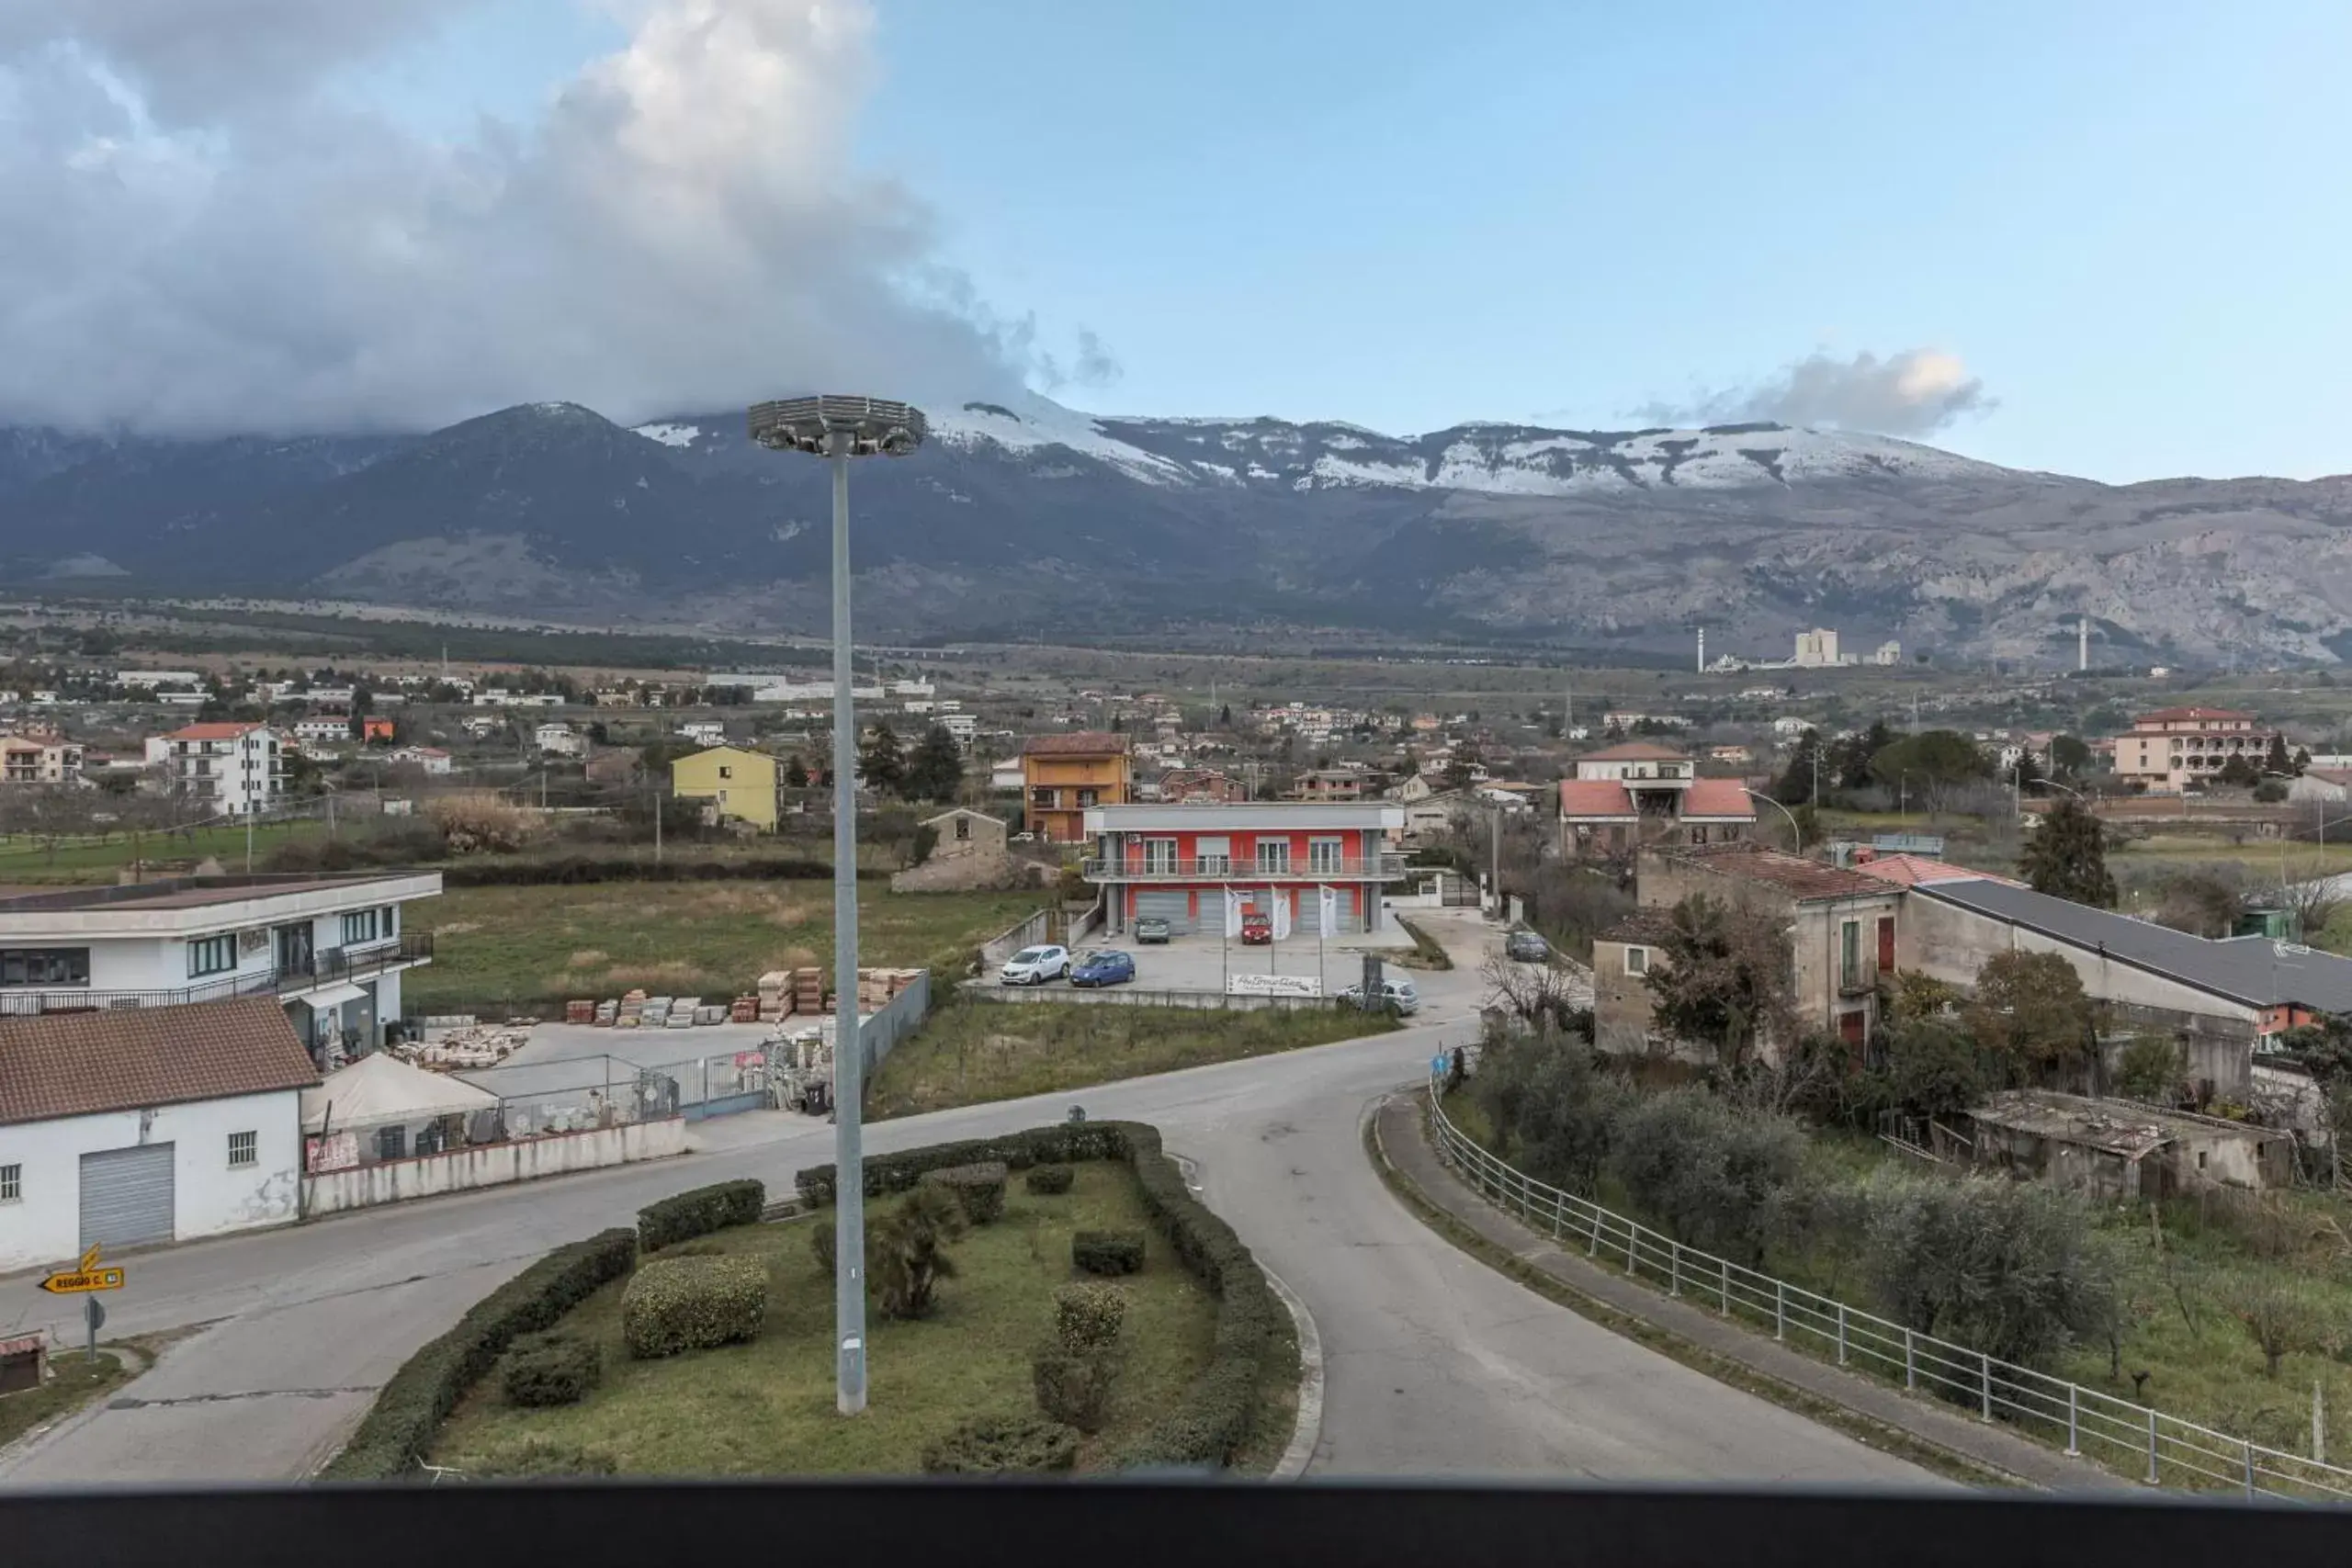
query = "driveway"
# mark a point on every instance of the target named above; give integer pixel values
(1434, 1363)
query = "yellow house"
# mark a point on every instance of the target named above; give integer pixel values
(1062, 776)
(739, 783)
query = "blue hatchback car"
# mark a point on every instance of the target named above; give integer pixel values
(1107, 967)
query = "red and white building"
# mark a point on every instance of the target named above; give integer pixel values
(2173, 747)
(1178, 862)
(237, 770)
(1626, 797)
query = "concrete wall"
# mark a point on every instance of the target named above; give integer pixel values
(45, 1224)
(492, 1164)
(1028, 933)
(1621, 1002)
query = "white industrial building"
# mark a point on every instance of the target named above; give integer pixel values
(330, 949)
(134, 1127)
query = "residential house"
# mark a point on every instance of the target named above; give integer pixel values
(961, 727)
(123, 1128)
(1065, 776)
(331, 950)
(1638, 792)
(431, 759)
(375, 731)
(612, 765)
(2170, 747)
(560, 739)
(1732, 756)
(705, 732)
(234, 770)
(1334, 783)
(40, 757)
(1180, 786)
(970, 851)
(2327, 785)
(1177, 862)
(322, 730)
(2120, 1151)
(1841, 929)
(739, 785)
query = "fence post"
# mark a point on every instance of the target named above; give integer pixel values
(1559, 1204)
(1723, 1277)
(1633, 1257)
(2074, 1418)
(1674, 1269)
(1779, 1309)
(1984, 1361)
(1910, 1363)
(1841, 1334)
(1592, 1247)
(2152, 1447)
(2249, 1465)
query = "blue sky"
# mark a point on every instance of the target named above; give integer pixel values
(2126, 219)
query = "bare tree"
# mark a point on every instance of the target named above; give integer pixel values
(1541, 995)
(2310, 897)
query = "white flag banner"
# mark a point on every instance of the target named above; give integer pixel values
(1282, 896)
(1232, 913)
(1326, 912)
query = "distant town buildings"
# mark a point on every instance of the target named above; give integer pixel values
(2171, 747)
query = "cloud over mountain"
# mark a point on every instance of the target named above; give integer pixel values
(1915, 392)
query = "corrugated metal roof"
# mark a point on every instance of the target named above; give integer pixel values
(2251, 970)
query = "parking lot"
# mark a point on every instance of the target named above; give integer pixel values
(1205, 963)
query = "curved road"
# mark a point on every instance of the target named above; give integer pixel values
(1434, 1364)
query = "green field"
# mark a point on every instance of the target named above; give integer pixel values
(972, 1051)
(509, 949)
(83, 857)
(766, 1408)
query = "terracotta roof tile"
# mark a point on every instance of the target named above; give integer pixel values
(1794, 875)
(1911, 870)
(79, 1064)
(1718, 797)
(1594, 797)
(1082, 743)
(210, 731)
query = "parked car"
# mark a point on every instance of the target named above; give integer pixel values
(1398, 995)
(1257, 930)
(1036, 965)
(1526, 947)
(1107, 967)
(1151, 928)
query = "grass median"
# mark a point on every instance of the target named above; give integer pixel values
(970, 1052)
(766, 1408)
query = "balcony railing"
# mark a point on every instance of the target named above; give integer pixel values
(328, 968)
(1137, 868)
(1856, 980)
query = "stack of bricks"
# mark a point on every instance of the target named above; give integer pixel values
(631, 1012)
(774, 1000)
(875, 987)
(809, 990)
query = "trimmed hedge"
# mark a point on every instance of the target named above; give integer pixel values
(1088, 1316)
(401, 1425)
(1003, 1445)
(550, 1369)
(698, 1212)
(693, 1304)
(1049, 1181)
(978, 1188)
(1215, 1416)
(1073, 1389)
(1107, 1252)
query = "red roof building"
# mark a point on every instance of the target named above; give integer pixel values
(1624, 797)
(1179, 863)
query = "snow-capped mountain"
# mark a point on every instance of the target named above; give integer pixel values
(1022, 517)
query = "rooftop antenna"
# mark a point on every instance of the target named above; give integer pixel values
(1702, 650)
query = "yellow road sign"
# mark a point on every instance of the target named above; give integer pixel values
(88, 1277)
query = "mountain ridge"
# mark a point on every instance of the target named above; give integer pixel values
(1021, 513)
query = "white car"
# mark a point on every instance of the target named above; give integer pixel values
(1398, 995)
(1036, 965)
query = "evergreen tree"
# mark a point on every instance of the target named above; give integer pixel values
(1796, 784)
(936, 771)
(2066, 856)
(2277, 760)
(795, 771)
(881, 763)
(1224, 717)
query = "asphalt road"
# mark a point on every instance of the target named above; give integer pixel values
(1433, 1364)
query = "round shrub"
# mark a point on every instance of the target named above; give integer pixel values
(550, 1369)
(978, 1188)
(1107, 1252)
(1003, 1445)
(693, 1304)
(1073, 1389)
(824, 1241)
(1088, 1317)
(1050, 1179)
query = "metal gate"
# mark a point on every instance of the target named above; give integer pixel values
(127, 1196)
(1176, 909)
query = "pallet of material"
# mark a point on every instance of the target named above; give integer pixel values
(743, 1010)
(578, 1011)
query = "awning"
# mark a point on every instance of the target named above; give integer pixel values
(333, 996)
(383, 1088)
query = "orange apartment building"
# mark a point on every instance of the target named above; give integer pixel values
(2169, 747)
(1064, 776)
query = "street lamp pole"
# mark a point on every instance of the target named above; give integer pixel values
(840, 428)
(1796, 834)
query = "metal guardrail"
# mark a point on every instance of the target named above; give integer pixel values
(326, 968)
(2162, 1450)
(1134, 995)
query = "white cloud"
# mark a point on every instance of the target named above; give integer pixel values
(1915, 392)
(202, 238)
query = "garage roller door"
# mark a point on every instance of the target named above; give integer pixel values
(127, 1196)
(1173, 908)
(1349, 913)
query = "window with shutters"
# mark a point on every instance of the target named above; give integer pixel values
(243, 1151)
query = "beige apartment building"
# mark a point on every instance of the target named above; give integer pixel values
(2166, 748)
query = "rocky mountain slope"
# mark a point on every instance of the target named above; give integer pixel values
(1025, 518)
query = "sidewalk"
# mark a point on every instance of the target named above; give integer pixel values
(1406, 1144)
